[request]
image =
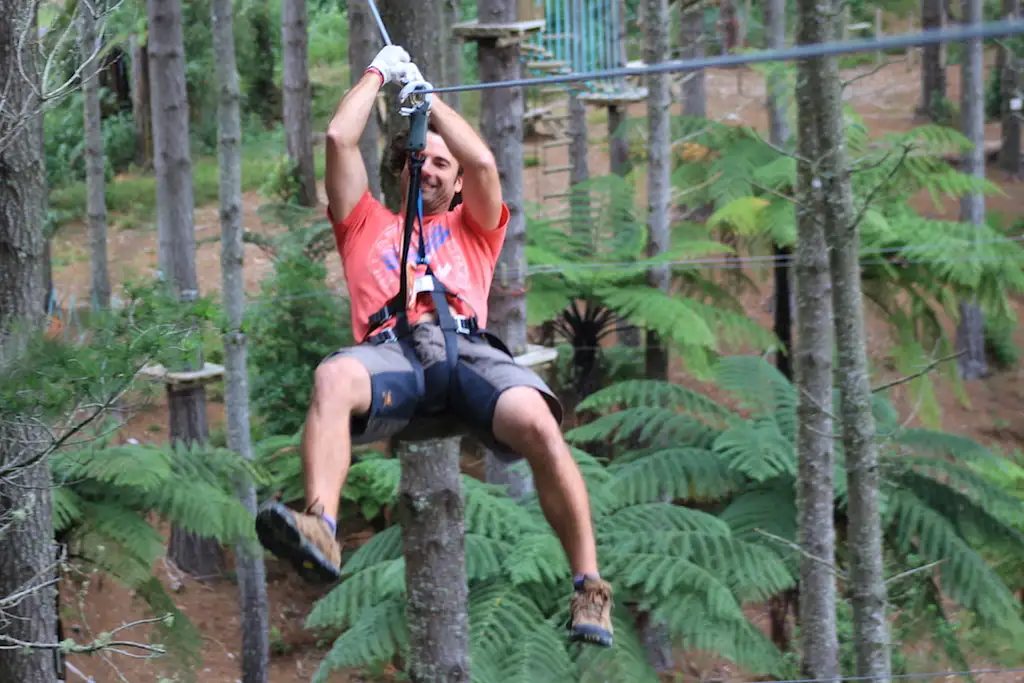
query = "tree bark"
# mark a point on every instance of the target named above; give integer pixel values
(95, 171)
(813, 351)
(691, 46)
(933, 71)
(411, 25)
(501, 126)
(298, 98)
(656, 50)
(252, 579)
(364, 42)
(176, 236)
(970, 332)
(27, 548)
(821, 96)
(578, 160)
(430, 511)
(142, 111)
(1010, 158)
(450, 12)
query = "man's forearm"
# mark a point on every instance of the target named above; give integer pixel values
(350, 119)
(466, 146)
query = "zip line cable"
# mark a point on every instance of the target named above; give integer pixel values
(933, 674)
(991, 29)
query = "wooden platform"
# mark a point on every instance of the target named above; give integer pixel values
(431, 429)
(210, 372)
(505, 34)
(620, 98)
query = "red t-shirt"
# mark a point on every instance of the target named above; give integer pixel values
(462, 255)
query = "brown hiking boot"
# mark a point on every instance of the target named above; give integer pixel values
(591, 608)
(303, 538)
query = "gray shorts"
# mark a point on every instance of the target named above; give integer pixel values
(482, 373)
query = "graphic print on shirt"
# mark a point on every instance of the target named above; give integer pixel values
(443, 250)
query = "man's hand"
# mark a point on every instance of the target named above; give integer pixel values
(392, 62)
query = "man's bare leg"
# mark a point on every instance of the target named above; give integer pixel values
(523, 422)
(341, 388)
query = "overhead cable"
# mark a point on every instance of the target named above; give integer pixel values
(991, 29)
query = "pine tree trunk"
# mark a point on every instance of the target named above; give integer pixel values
(252, 579)
(176, 236)
(501, 126)
(1010, 158)
(142, 111)
(450, 11)
(264, 95)
(298, 98)
(821, 95)
(970, 332)
(95, 172)
(578, 160)
(812, 355)
(933, 71)
(410, 25)
(691, 46)
(656, 50)
(27, 548)
(430, 511)
(364, 42)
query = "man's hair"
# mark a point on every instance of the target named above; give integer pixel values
(394, 160)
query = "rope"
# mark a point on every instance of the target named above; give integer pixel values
(992, 29)
(934, 674)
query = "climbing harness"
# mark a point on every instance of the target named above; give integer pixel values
(437, 379)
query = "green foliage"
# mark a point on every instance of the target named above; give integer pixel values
(695, 318)
(686, 566)
(916, 269)
(741, 460)
(108, 495)
(295, 321)
(65, 143)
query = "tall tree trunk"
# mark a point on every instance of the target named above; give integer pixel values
(298, 98)
(691, 39)
(142, 111)
(933, 71)
(27, 548)
(970, 332)
(778, 132)
(431, 513)
(95, 171)
(1010, 158)
(656, 50)
(364, 42)
(252, 577)
(450, 12)
(176, 237)
(813, 368)
(411, 25)
(578, 160)
(821, 94)
(265, 97)
(501, 126)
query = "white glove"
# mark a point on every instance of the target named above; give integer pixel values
(407, 72)
(391, 61)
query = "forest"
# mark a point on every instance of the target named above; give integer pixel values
(778, 300)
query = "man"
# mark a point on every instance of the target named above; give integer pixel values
(370, 391)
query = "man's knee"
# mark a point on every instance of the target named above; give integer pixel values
(342, 383)
(523, 419)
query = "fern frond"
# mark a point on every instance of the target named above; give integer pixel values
(540, 657)
(683, 472)
(344, 604)
(654, 393)
(499, 614)
(379, 634)
(758, 450)
(627, 661)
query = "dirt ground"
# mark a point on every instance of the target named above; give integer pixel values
(886, 100)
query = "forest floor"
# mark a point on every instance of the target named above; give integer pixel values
(886, 100)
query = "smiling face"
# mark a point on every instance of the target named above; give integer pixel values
(440, 177)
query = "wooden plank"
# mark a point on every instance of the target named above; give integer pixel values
(517, 30)
(210, 372)
(614, 98)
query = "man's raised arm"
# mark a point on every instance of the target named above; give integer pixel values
(345, 174)
(481, 185)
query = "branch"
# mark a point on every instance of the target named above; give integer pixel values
(871, 72)
(838, 573)
(923, 371)
(105, 641)
(871, 195)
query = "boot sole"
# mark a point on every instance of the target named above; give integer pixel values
(590, 634)
(278, 533)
